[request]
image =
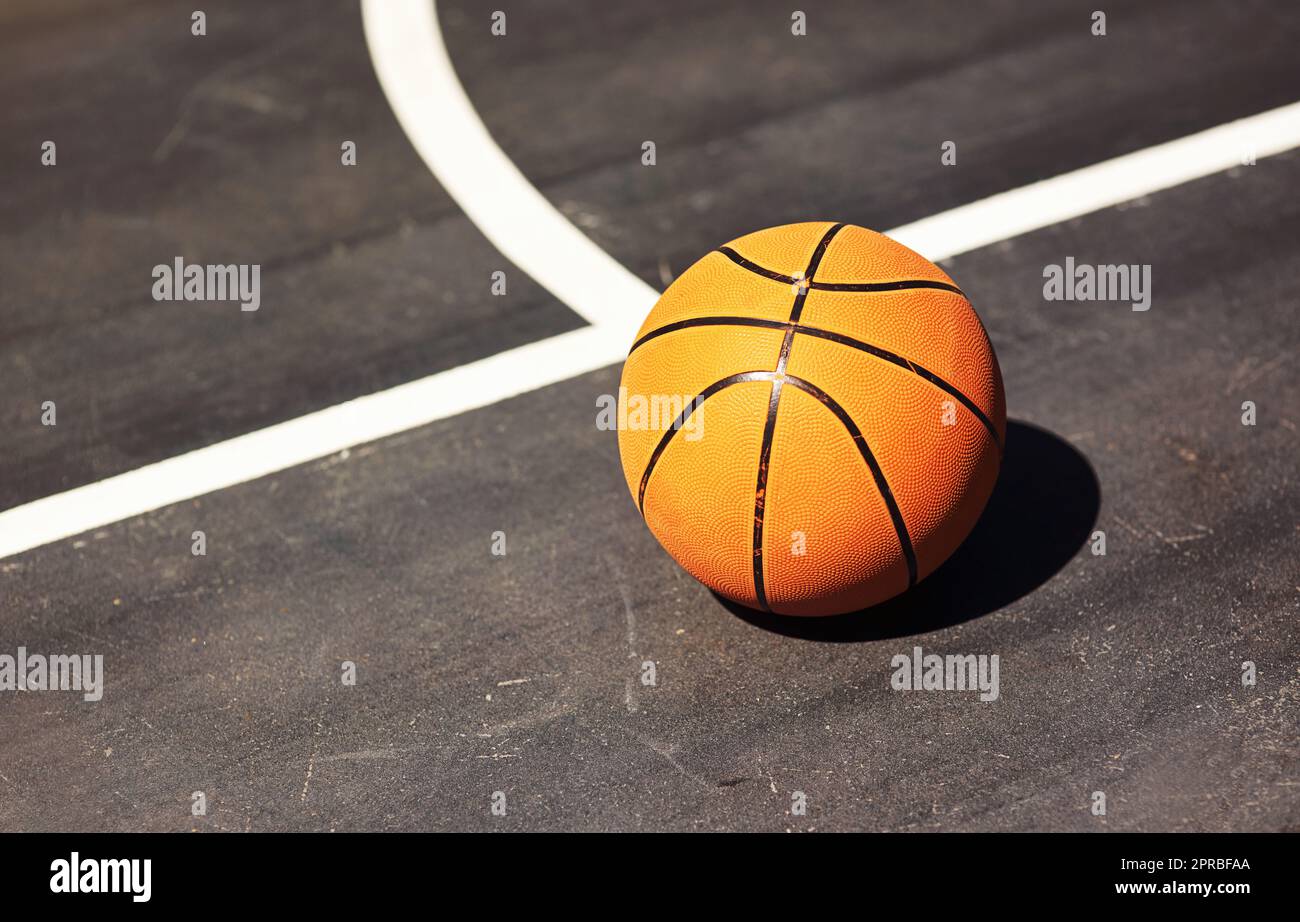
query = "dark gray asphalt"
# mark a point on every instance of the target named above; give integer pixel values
(520, 674)
(219, 150)
(756, 128)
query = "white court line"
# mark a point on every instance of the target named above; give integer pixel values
(420, 87)
(417, 76)
(1052, 201)
(309, 437)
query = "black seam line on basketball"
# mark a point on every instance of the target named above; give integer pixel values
(843, 340)
(710, 321)
(900, 285)
(760, 491)
(818, 253)
(685, 415)
(911, 366)
(769, 427)
(724, 320)
(882, 484)
(755, 267)
(797, 308)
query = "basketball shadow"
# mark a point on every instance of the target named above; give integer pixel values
(1041, 512)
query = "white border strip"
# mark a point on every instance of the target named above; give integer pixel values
(416, 75)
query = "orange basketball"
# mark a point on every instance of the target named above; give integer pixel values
(811, 419)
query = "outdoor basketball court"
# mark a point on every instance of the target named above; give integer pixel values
(363, 532)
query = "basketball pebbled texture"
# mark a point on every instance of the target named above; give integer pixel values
(850, 414)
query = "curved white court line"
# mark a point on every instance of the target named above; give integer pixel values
(416, 75)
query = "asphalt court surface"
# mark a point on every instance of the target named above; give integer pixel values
(1119, 673)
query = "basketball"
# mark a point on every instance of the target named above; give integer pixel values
(811, 419)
